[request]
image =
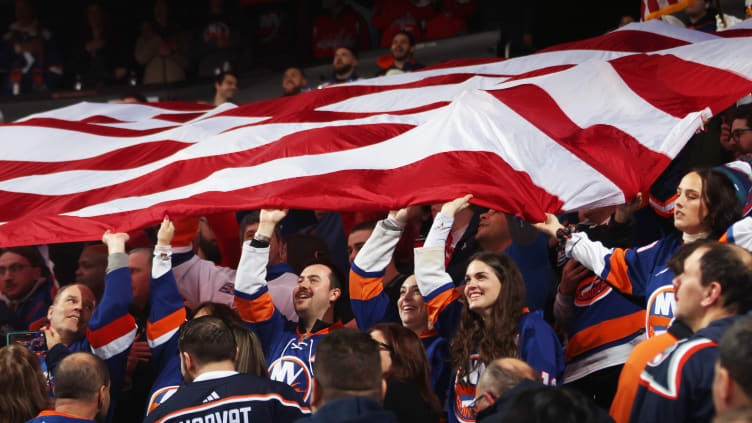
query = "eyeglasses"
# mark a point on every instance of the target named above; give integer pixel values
(736, 133)
(13, 268)
(487, 396)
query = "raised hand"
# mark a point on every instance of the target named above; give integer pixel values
(115, 242)
(451, 208)
(549, 226)
(624, 212)
(400, 215)
(268, 220)
(166, 232)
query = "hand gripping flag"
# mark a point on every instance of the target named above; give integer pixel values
(580, 125)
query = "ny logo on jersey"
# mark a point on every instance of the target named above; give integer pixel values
(292, 371)
(660, 310)
(464, 388)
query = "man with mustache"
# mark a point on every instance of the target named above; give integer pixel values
(289, 347)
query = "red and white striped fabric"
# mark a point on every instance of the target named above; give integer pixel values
(580, 125)
(654, 9)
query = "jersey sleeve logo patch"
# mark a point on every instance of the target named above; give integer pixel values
(590, 291)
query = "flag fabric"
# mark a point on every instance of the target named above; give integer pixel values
(580, 125)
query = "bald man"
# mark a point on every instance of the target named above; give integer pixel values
(503, 379)
(82, 391)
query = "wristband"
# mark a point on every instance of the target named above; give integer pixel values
(391, 219)
(262, 238)
(163, 252)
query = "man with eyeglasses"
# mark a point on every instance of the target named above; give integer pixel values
(740, 139)
(25, 284)
(502, 380)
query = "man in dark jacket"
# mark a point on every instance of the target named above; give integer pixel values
(348, 386)
(713, 290)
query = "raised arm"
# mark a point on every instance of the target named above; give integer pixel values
(434, 283)
(252, 296)
(166, 315)
(111, 329)
(198, 280)
(619, 267)
(369, 303)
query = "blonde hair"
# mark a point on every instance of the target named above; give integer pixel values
(250, 353)
(22, 385)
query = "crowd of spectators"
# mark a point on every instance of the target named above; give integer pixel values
(162, 41)
(434, 312)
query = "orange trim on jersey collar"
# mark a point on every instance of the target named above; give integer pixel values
(429, 333)
(57, 413)
(325, 330)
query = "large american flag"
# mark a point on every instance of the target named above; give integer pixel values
(580, 125)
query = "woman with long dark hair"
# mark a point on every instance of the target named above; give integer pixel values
(706, 205)
(493, 320)
(407, 372)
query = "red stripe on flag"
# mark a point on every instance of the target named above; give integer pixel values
(622, 41)
(106, 131)
(679, 87)
(310, 100)
(734, 33)
(186, 172)
(178, 117)
(434, 179)
(100, 119)
(313, 116)
(123, 158)
(541, 71)
(607, 149)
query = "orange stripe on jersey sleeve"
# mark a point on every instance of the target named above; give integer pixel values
(724, 237)
(617, 274)
(364, 289)
(439, 302)
(256, 310)
(166, 324)
(603, 333)
(114, 330)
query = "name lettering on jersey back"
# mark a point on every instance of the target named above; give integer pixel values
(292, 371)
(234, 415)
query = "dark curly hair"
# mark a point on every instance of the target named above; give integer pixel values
(496, 336)
(720, 198)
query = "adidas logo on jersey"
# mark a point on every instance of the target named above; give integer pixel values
(212, 397)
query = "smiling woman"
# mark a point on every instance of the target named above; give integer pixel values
(493, 319)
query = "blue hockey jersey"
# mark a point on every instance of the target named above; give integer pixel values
(676, 386)
(539, 346)
(166, 315)
(238, 398)
(289, 352)
(640, 272)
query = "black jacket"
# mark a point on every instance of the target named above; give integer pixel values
(351, 410)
